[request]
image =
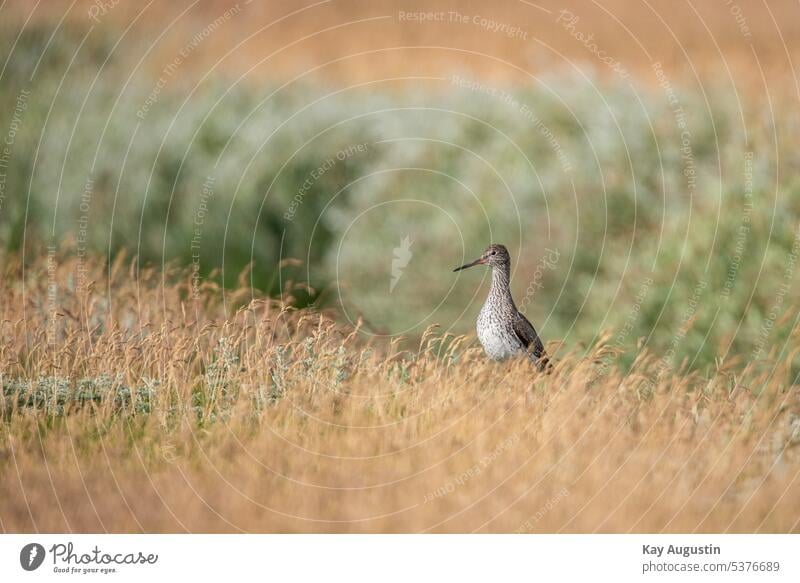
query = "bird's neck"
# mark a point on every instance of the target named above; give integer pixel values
(501, 285)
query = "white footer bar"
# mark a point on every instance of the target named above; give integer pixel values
(388, 558)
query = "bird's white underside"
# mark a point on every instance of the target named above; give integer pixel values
(498, 342)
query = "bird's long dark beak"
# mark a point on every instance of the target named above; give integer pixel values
(478, 261)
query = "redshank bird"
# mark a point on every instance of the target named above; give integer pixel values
(502, 330)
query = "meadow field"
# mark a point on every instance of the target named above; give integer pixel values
(153, 413)
(227, 235)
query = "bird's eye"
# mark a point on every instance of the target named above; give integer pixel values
(493, 253)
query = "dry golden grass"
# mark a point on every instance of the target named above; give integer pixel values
(245, 415)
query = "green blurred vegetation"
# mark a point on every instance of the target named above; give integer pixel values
(211, 167)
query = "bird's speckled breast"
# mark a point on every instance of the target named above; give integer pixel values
(499, 341)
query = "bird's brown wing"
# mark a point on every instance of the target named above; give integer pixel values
(530, 340)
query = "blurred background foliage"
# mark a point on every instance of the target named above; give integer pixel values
(586, 168)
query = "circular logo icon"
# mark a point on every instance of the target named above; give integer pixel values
(31, 556)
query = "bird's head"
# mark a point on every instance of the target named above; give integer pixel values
(495, 255)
